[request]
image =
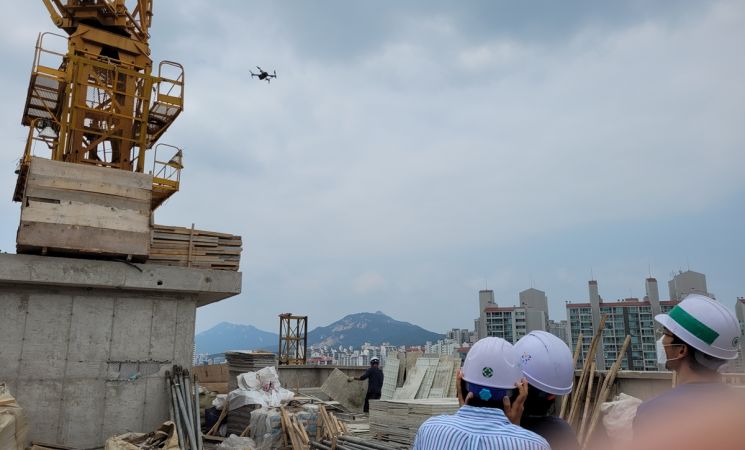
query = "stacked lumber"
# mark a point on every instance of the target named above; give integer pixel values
(399, 420)
(188, 247)
(74, 208)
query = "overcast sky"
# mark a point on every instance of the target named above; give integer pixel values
(412, 153)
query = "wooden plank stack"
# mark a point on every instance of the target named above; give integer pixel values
(188, 247)
(399, 420)
(85, 209)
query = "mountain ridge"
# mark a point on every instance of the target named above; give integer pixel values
(351, 330)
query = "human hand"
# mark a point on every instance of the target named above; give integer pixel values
(514, 411)
(459, 388)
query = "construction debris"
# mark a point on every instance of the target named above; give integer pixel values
(188, 247)
(242, 362)
(399, 420)
(13, 428)
(164, 438)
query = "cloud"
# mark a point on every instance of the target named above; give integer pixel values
(438, 144)
(369, 282)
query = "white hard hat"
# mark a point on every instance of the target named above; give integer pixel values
(492, 362)
(374, 359)
(546, 362)
(704, 324)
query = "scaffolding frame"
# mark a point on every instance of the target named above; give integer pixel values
(293, 339)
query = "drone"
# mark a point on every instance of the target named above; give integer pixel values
(264, 75)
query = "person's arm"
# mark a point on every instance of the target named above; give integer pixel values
(361, 377)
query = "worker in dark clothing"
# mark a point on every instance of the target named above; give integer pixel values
(374, 377)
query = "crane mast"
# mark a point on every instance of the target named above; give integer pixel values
(98, 102)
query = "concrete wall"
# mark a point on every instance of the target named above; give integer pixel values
(293, 377)
(86, 358)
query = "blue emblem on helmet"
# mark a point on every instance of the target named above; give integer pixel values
(485, 394)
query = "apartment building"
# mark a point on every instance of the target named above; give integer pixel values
(560, 329)
(629, 316)
(688, 282)
(509, 322)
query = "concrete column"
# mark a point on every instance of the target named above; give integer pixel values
(653, 295)
(486, 298)
(86, 344)
(595, 308)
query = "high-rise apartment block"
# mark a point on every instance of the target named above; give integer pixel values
(509, 322)
(560, 330)
(688, 282)
(629, 316)
(459, 335)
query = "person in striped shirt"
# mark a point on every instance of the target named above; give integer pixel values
(496, 393)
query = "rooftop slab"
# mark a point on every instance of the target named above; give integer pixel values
(208, 286)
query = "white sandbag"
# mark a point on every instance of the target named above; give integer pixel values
(618, 417)
(234, 442)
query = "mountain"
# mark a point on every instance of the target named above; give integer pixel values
(375, 328)
(229, 336)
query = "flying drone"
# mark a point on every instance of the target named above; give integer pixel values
(264, 75)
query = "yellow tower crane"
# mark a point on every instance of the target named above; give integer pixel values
(98, 102)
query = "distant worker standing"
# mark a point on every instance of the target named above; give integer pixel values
(492, 378)
(699, 336)
(374, 377)
(548, 365)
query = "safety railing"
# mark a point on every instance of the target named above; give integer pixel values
(167, 173)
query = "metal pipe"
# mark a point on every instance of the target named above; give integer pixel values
(319, 445)
(185, 416)
(359, 441)
(186, 392)
(338, 445)
(198, 424)
(346, 445)
(177, 416)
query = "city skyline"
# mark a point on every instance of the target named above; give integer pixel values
(407, 154)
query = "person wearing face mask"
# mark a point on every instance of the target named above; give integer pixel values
(699, 336)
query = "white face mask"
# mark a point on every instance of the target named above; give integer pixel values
(661, 355)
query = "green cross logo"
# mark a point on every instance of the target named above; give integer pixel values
(487, 372)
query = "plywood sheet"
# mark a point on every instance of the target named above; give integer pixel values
(351, 395)
(411, 386)
(390, 376)
(430, 364)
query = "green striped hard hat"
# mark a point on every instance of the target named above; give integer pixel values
(704, 324)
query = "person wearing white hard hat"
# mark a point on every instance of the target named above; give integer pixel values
(492, 379)
(547, 363)
(374, 377)
(699, 335)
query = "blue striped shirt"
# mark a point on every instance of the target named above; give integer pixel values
(472, 428)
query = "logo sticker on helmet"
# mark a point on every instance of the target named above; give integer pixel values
(487, 372)
(485, 394)
(525, 358)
